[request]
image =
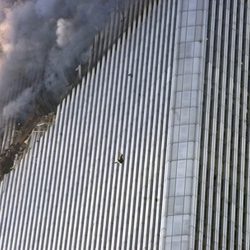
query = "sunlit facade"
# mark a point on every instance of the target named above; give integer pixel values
(168, 90)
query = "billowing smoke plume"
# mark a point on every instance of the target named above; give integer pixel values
(41, 43)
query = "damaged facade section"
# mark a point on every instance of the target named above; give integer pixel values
(17, 133)
(20, 142)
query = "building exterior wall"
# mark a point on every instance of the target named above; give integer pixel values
(171, 94)
(68, 192)
(181, 171)
(222, 220)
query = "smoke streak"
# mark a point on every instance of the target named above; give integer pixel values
(41, 43)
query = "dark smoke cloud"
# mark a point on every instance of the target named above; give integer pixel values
(41, 43)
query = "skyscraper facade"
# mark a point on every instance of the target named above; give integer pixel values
(151, 150)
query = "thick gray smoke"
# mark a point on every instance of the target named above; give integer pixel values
(41, 43)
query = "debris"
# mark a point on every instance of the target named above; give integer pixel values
(7, 159)
(79, 72)
(21, 141)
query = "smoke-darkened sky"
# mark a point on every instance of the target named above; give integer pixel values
(41, 43)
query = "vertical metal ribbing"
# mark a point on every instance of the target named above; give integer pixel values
(3, 208)
(53, 171)
(9, 131)
(134, 215)
(104, 115)
(57, 171)
(64, 177)
(61, 174)
(28, 216)
(209, 147)
(93, 144)
(214, 133)
(218, 195)
(88, 151)
(6, 219)
(116, 169)
(113, 99)
(116, 113)
(136, 240)
(84, 169)
(124, 133)
(38, 203)
(81, 145)
(144, 163)
(153, 194)
(15, 182)
(170, 68)
(108, 159)
(24, 208)
(156, 130)
(234, 67)
(236, 110)
(89, 169)
(76, 165)
(246, 202)
(71, 175)
(22, 203)
(98, 140)
(147, 186)
(70, 169)
(227, 134)
(101, 159)
(92, 168)
(111, 111)
(246, 205)
(140, 162)
(163, 118)
(113, 140)
(123, 140)
(128, 135)
(75, 172)
(41, 184)
(241, 126)
(49, 172)
(117, 116)
(33, 213)
(49, 167)
(224, 121)
(123, 137)
(127, 138)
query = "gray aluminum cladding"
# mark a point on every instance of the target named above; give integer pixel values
(151, 150)
(68, 192)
